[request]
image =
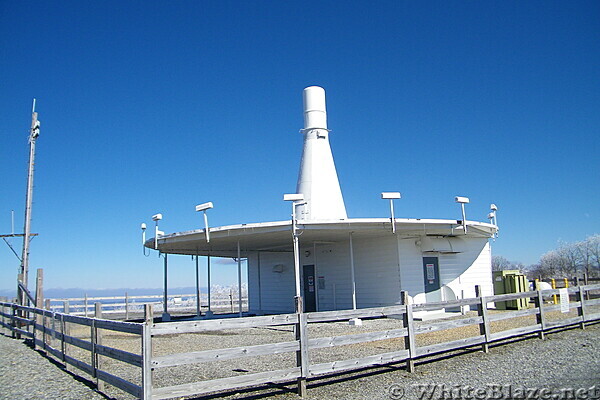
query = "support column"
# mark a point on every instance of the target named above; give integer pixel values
(239, 278)
(165, 316)
(353, 321)
(316, 263)
(259, 285)
(198, 311)
(209, 312)
(126, 306)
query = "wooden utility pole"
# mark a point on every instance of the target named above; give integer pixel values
(34, 132)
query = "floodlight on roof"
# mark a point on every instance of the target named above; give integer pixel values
(156, 218)
(143, 226)
(390, 195)
(494, 219)
(204, 206)
(462, 201)
(293, 197)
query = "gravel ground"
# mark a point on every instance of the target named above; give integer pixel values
(566, 359)
(27, 374)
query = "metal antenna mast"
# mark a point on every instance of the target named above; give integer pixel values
(34, 132)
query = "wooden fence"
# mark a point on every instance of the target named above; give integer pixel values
(33, 323)
(41, 326)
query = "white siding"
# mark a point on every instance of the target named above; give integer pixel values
(333, 265)
(377, 272)
(378, 278)
(465, 270)
(411, 267)
(276, 288)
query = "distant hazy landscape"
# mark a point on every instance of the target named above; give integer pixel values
(78, 292)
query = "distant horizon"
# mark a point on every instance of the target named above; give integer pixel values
(62, 292)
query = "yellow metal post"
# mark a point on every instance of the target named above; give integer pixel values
(554, 287)
(566, 282)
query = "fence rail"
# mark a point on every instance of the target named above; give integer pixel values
(39, 325)
(133, 306)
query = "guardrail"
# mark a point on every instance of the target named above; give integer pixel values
(302, 369)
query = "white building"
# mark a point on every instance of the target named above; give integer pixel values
(345, 262)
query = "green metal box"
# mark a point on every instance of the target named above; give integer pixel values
(510, 281)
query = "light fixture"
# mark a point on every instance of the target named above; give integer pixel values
(293, 197)
(494, 219)
(462, 201)
(391, 196)
(143, 226)
(156, 218)
(203, 207)
(494, 208)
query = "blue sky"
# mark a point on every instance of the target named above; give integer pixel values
(154, 106)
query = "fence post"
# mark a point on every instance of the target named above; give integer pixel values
(85, 305)
(39, 301)
(540, 317)
(46, 325)
(63, 345)
(13, 314)
(3, 318)
(147, 352)
(585, 282)
(93, 332)
(581, 310)
(484, 326)
(98, 338)
(66, 330)
(409, 339)
(302, 354)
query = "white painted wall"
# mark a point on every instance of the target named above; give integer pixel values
(378, 279)
(276, 288)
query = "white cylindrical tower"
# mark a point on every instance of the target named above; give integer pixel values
(315, 114)
(317, 179)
